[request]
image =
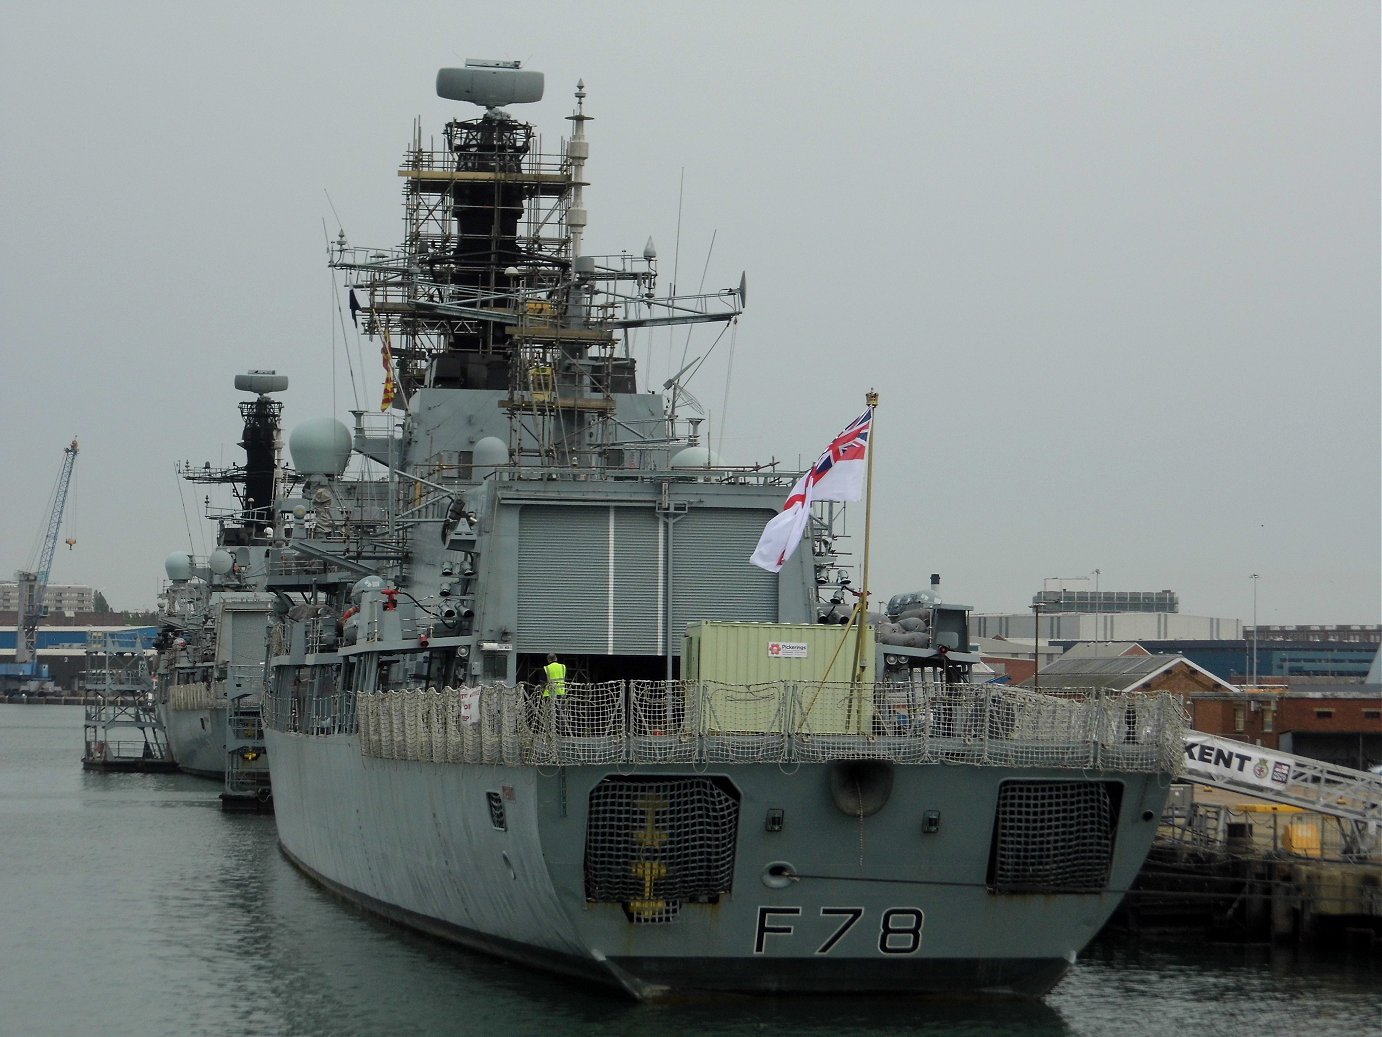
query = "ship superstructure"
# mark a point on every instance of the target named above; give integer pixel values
(709, 791)
(215, 614)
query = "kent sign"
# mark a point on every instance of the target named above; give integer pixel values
(1222, 761)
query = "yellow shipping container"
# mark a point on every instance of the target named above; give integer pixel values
(755, 653)
(816, 660)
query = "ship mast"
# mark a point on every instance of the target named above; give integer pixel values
(491, 289)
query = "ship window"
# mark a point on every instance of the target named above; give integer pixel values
(496, 811)
(495, 666)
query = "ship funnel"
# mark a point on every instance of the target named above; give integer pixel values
(490, 83)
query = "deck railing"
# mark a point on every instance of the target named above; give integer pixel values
(705, 722)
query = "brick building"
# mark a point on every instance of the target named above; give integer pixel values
(1124, 667)
(1341, 724)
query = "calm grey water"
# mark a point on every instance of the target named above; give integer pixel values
(129, 904)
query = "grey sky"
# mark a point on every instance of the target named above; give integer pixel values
(1114, 268)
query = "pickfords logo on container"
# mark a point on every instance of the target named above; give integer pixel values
(787, 649)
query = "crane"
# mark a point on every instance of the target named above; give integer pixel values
(33, 584)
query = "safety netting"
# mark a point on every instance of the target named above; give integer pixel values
(193, 696)
(709, 722)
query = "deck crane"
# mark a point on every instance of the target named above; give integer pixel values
(32, 585)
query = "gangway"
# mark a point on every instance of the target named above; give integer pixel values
(1297, 781)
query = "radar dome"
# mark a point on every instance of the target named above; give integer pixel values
(489, 454)
(320, 446)
(220, 561)
(490, 83)
(178, 566)
(695, 457)
(262, 382)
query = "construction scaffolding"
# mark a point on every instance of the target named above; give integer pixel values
(122, 731)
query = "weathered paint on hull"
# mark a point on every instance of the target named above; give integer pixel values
(414, 842)
(196, 738)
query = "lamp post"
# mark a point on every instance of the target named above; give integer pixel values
(1097, 605)
(1036, 646)
(1252, 669)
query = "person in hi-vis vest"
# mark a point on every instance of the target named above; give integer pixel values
(556, 677)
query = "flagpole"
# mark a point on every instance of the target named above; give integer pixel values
(862, 608)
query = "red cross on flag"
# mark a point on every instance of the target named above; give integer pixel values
(838, 474)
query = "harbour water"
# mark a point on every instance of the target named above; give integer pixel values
(130, 905)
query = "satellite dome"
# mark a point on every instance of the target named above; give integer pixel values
(489, 453)
(178, 566)
(220, 561)
(695, 457)
(320, 446)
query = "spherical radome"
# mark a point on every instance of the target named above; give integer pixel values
(221, 561)
(178, 566)
(320, 446)
(695, 457)
(490, 452)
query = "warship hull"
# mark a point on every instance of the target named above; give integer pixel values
(565, 687)
(828, 902)
(196, 738)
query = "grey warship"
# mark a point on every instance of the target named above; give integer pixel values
(728, 790)
(214, 613)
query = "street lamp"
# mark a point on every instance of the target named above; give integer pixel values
(1098, 606)
(1036, 646)
(1252, 669)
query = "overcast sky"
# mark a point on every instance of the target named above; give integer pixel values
(1114, 268)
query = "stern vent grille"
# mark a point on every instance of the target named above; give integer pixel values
(652, 844)
(1052, 837)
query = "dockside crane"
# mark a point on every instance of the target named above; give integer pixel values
(33, 585)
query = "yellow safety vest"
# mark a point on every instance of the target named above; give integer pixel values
(556, 679)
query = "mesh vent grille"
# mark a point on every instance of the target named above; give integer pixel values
(652, 843)
(1052, 837)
